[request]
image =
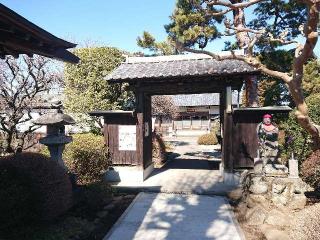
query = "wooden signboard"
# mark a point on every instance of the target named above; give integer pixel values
(127, 138)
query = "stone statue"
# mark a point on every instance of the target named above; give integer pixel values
(268, 133)
(268, 139)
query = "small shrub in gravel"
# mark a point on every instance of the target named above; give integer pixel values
(158, 149)
(208, 139)
(310, 170)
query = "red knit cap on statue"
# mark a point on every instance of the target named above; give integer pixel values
(267, 116)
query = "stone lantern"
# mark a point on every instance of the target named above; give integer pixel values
(56, 138)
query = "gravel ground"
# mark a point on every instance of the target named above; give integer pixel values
(306, 225)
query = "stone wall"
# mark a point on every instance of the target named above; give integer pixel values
(268, 203)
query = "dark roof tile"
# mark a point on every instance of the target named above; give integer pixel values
(179, 68)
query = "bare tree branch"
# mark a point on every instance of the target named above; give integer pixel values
(22, 81)
(282, 39)
(302, 52)
(250, 60)
(231, 5)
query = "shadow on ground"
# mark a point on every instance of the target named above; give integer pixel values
(187, 163)
(178, 143)
(185, 173)
(201, 154)
(176, 216)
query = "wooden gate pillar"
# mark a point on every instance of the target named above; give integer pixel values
(221, 109)
(226, 109)
(144, 132)
(140, 119)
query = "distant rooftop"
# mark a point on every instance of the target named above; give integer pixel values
(189, 65)
(206, 99)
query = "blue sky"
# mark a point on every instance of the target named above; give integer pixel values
(105, 22)
(110, 22)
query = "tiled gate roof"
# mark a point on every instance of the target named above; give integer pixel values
(178, 66)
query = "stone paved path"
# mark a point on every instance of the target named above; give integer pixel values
(193, 169)
(188, 148)
(173, 217)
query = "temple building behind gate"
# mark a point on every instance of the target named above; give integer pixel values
(195, 111)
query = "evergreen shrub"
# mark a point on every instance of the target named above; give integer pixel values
(32, 188)
(310, 170)
(87, 157)
(297, 139)
(208, 139)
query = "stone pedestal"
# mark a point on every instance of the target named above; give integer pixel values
(271, 200)
(56, 146)
(275, 170)
(293, 168)
(258, 186)
(56, 154)
(266, 167)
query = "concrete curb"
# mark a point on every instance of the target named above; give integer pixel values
(120, 219)
(235, 221)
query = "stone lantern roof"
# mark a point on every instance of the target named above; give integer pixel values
(55, 119)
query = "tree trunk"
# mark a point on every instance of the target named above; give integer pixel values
(251, 88)
(9, 142)
(302, 114)
(295, 84)
(243, 39)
